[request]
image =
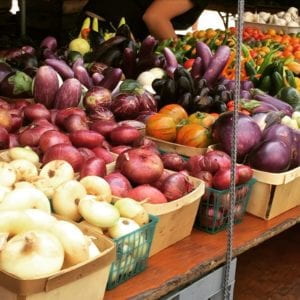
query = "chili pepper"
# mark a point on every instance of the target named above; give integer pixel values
(266, 62)
(290, 78)
(249, 68)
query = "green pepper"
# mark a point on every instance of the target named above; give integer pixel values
(265, 83)
(267, 61)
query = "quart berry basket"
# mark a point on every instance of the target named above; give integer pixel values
(213, 213)
(132, 254)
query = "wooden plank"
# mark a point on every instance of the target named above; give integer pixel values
(195, 256)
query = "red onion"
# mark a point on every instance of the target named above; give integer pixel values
(146, 143)
(215, 160)
(74, 123)
(173, 161)
(205, 176)
(238, 212)
(96, 97)
(36, 111)
(104, 127)
(147, 192)
(104, 154)
(64, 113)
(140, 165)
(86, 138)
(176, 186)
(16, 122)
(20, 104)
(120, 149)
(124, 135)
(245, 173)
(193, 164)
(210, 218)
(51, 138)
(4, 105)
(93, 167)
(158, 184)
(221, 179)
(31, 135)
(4, 138)
(5, 119)
(13, 140)
(44, 123)
(101, 113)
(86, 153)
(64, 152)
(53, 113)
(118, 183)
(106, 145)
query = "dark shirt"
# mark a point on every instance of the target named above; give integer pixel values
(133, 11)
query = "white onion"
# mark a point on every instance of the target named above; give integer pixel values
(98, 213)
(98, 187)
(74, 242)
(24, 153)
(123, 227)
(32, 254)
(3, 239)
(4, 156)
(46, 186)
(7, 174)
(122, 267)
(66, 198)
(24, 198)
(40, 219)
(24, 169)
(93, 249)
(132, 209)
(23, 184)
(3, 191)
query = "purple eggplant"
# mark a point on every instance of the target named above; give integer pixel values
(245, 95)
(50, 43)
(278, 132)
(247, 85)
(295, 149)
(264, 107)
(147, 47)
(197, 68)
(46, 85)
(47, 54)
(280, 105)
(78, 62)
(129, 63)
(203, 51)
(111, 78)
(69, 94)
(60, 67)
(83, 76)
(171, 61)
(217, 65)
(97, 78)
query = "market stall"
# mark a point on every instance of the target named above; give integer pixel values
(125, 156)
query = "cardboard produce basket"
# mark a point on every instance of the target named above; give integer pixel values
(86, 280)
(274, 193)
(176, 218)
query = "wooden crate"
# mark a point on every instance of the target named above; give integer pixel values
(83, 281)
(176, 218)
(274, 194)
(168, 147)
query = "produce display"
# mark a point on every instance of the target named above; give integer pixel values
(75, 128)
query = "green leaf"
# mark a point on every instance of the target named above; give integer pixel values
(131, 86)
(21, 83)
(250, 105)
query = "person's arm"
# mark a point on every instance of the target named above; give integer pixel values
(159, 14)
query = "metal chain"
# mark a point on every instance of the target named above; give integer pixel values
(229, 253)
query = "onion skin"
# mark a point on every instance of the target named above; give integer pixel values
(176, 186)
(93, 167)
(4, 138)
(140, 166)
(124, 135)
(245, 173)
(86, 138)
(193, 165)
(158, 184)
(36, 111)
(5, 119)
(120, 149)
(16, 122)
(86, 153)
(104, 127)
(64, 152)
(74, 123)
(13, 140)
(118, 183)
(103, 154)
(209, 218)
(51, 138)
(215, 160)
(173, 161)
(125, 106)
(64, 113)
(101, 114)
(147, 192)
(31, 136)
(205, 176)
(97, 96)
(221, 179)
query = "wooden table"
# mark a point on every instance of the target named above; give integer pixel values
(198, 254)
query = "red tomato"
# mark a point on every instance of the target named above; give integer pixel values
(189, 63)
